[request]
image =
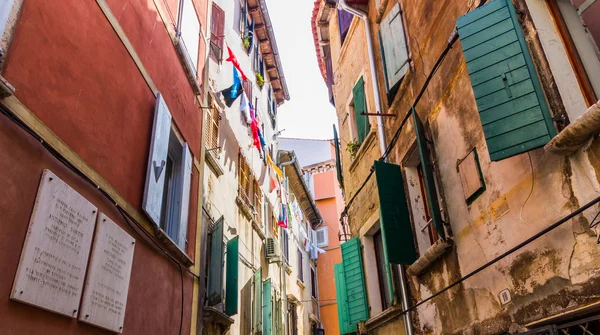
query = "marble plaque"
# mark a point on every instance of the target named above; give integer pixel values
(105, 294)
(57, 246)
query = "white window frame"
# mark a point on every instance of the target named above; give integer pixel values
(188, 26)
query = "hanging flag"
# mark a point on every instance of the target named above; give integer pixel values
(235, 63)
(282, 222)
(231, 94)
(255, 138)
(245, 108)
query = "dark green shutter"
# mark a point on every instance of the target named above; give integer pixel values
(231, 286)
(215, 276)
(342, 299)
(360, 106)
(267, 308)
(427, 166)
(511, 103)
(354, 279)
(394, 219)
(338, 158)
(258, 301)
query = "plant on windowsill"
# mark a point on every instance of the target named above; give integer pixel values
(246, 42)
(260, 81)
(352, 147)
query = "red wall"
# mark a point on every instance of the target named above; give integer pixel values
(71, 70)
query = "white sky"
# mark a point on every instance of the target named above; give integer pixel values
(308, 114)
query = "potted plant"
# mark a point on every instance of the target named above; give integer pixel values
(352, 147)
(246, 42)
(260, 81)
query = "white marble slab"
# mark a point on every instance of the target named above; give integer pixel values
(52, 267)
(107, 285)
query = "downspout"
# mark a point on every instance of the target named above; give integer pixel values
(362, 15)
(382, 142)
(284, 307)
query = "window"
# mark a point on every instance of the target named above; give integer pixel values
(257, 203)
(247, 87)
(313, 283)
(384, 283)
(168, 177)
(422, 190)
(394, 50)
(361, 126)
(344, 21)
(300, 266)
(511, 103)
(322, 237)
(244, 184)
(285, 245)
(189, 33)
(213, 122)
(272, 108)
(217, 33)
(581, 37)
(215, 264)
(293, 319)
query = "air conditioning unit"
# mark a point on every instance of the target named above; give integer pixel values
(272, 250)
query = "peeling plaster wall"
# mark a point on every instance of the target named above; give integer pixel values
(524, 194)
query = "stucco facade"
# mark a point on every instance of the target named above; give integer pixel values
(85, 78)
(549, 277)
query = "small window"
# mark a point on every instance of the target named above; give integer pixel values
(189, 33)
(384, 284)
(217, 33)
(313, 283)
(168, 178)
(285, 245)
(300, 266)
(360, 127)
(213, 122)
(244, 185)
(322, 237)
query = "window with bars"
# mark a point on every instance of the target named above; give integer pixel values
(212, 125)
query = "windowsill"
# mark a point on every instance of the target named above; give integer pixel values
(383, 318)
(189, 72)
(213, 314)
(364, 147)
(213, 163)
(433, 253)
(172, 247)
(244, 207)
(300, 283)
(578, 134)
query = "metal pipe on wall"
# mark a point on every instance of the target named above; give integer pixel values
(382, 141)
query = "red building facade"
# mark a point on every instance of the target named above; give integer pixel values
(80, 85)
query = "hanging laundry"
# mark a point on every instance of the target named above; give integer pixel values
(255, 138)
(261, 138)
(275, 167)
(245, 108)
(231, 94)
(274, 181)
(235, 63)
(282, 222)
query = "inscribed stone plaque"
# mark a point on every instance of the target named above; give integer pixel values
(105, 294)
(57, 246)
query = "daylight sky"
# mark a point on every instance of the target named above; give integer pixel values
(308, 114)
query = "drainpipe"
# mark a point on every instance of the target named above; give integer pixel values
(362, 15)
(382, 142)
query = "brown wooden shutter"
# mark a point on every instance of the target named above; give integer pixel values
(257, 202)
(247, 85)
(244, 184)
(217, 33)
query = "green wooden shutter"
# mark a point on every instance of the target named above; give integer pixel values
(338, 158)
(394, 219)
(395, 51)
(354, 278)
(258, 301)
(342, 299)
(278, 317)
(360, 106)
(432, 197)
(215, 276)
(509, 96)
(267, 308)
(231, 286)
